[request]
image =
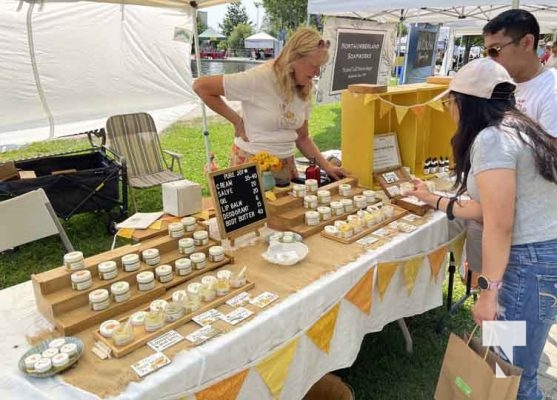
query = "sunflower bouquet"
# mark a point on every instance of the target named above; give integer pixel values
(266, 161)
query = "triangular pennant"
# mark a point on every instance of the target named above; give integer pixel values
(322, 331)
(126, 233)
(436, 105)
(385, 272)
(384, 108)
(274, 369)
(370, 98)
(361, 294)
(401, 113)
(226, 389)
(436, 259)
(411, 268)
(419, 111)
(457, 247)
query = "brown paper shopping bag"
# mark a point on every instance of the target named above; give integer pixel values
(468, 372)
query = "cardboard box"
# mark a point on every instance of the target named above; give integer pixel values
(181, 198)
(8, 171)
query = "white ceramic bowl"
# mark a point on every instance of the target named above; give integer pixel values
(286, 253)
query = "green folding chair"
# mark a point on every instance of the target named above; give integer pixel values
(135, 138)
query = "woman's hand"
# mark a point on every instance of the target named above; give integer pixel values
(335, 172)
(240, 130)
(486, 307)
(421, 192)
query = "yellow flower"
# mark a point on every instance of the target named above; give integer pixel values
(266, 162)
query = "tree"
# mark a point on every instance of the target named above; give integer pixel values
(237, 36)
(235, 14)
(286, 15)
(201, 27)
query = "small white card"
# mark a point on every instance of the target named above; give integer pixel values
(237, 316)
(202, 335)
(264, 299)
(208, 317)
(163, 342)
(239, 300)
(150, 364)
(411, 217)
(366, 241)
(382, 232)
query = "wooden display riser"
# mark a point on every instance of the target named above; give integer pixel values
(141, 337)
(399, 212)
(69, 310)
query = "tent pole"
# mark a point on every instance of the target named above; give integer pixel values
(208, 155)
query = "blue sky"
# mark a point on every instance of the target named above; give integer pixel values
(216, 14)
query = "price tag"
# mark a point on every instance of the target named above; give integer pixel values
(163, 342)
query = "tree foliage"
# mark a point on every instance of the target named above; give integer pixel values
(236, 14)
(237, 36)
(286, 15)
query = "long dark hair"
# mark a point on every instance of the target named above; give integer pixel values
(476, 114)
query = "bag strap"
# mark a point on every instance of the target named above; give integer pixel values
(492, 331)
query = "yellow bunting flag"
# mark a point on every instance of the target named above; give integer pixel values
(370, 98)
(419, 111)
(436, 105)
(226, 389)
(322, 331)
(274, 369)
(436, 259)
(401, 112)
(457, 246)
(411, 268)
(384, 108)
(126, 233)
(385, 272)
(360, 295)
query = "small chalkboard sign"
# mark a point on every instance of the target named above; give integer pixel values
(239, 199)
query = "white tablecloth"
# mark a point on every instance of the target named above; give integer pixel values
(245, 346)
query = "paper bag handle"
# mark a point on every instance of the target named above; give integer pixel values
(472, 335)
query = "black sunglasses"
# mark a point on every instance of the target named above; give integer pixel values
(323, 44)
(495, 51)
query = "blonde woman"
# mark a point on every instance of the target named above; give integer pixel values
(276, 104)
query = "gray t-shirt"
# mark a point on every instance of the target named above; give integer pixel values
(535, 218)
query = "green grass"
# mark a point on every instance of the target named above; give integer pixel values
(383, 370)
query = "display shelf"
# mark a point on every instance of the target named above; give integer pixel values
(398, 213)
(69, 310)
(141, 337)
(419, 136)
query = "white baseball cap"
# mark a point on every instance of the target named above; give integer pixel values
(479, 78)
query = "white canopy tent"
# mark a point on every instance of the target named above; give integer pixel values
(260, 40)
(68, 65)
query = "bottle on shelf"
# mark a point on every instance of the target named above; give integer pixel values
(313, 171)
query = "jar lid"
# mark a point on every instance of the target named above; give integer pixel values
(322, 193)
(336, 204)
(150, 253)
(69, 348)
(107, 266)
(43, 365)
(197, 257)
(96, 296)
(186, 242)
(346, 201)
(224, 274)
(130, 259)
(179, 295)
(345, 186)
(323, 210)
(164, 269)
(311, 181)
(81, 276)
(368, 193)
(209, 280)
(310, 197)
(73, 256)
(194, 287)
(359, 197)
(312, 214)
(200, 235)
(216, 250)
(188, 220)
(60, 359)
(107, 327)
(175, 226)
(138, 318)
(57, 343)
(158, 305)
(331, 230)
(145, 277)
(299, 186)
(120, 287)
(50, 352)
(182, 263)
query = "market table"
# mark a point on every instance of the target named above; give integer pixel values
(318, 324)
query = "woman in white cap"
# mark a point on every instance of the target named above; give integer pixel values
(508, 166)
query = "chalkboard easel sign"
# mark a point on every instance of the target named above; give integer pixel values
(239, 200)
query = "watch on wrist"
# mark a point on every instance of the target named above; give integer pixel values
(486, 284)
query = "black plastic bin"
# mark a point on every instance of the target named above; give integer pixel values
(90, 183)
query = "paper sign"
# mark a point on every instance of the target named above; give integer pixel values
(366, 241)
(264, 299)
(237, 316)
(202, 335)
(150, 364)
(163, 342)
(239, 300)
(208, 317)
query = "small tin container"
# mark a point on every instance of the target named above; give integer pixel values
(164, 273)
(324, 213)
(151, 256)
(120, 291)
(122, 335)
(145, 280)
(336, 208)
(60, 360)
(173, 312)
(201, 238)
(370, 196)
(311, 185)
(183, 266)
(323, 197)
(360, 202)
(99, 299)
(176, 230)
(345, 189)
(189, 224)
(216, 253)
(74, 261)
(198, 260)
(107, 327)
(130, 262)
(331, 230)
(347, 204)
(299, 190)
(186, 246)
(158, 305)
(312, 218)
(154, 320)
(81, 280)
(107, 270)
(310, 201)
(70, 349)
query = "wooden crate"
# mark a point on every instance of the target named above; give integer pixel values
(141, 337)
(69, 310)
(287, 213)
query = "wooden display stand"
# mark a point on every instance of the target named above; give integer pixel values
(141, 337)
(69, 310)
(390, 180)
(287, 213)
(419, 136)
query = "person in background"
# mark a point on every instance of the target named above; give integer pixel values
(552, 60)
(508, 165)
(546, 54)
(276, 104)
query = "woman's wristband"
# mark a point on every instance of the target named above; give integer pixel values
(450, 214)
(438, 201)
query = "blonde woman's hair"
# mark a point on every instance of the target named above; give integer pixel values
(301, 43)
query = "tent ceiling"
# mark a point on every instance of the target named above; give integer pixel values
(463, 14)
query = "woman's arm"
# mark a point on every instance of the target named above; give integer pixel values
(210, 89)
(308, 148)
(465, 209)
(497, 188)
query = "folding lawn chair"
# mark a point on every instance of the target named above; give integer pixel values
(135, 138)
(29, 217)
